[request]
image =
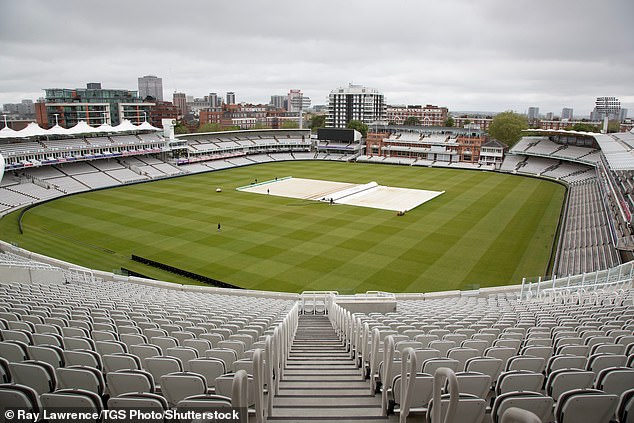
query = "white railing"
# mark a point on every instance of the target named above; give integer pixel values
(615, 278)
(80, 275)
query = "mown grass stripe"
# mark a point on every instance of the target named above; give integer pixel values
(487, 228)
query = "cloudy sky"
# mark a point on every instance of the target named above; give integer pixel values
(489, 55)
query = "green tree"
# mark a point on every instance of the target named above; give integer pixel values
(209, 127)
(614, 126)
(412, 121)
(260, 125)
(449, 122)
(507, 127)
(180, 128)
(584, 127)
(289, 124)
(359, 126)
(317, 121)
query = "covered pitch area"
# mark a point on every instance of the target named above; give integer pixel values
(370, 195)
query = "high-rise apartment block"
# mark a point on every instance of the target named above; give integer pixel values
(279, 101)
(609, 107)
(354, 102)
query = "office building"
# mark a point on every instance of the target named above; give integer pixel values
(533, 113)
(151, 86)
(180, 101)
(24, 109)
(196, 104)
(623, 115)
(214, 101)
(566, 113)
(231, 97)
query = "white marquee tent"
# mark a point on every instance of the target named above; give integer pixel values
(34, 130)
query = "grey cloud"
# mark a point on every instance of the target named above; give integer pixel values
(487, 55)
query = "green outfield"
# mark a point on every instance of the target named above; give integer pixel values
(487, 229)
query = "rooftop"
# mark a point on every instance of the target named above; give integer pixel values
(355, 89)
(618, 148)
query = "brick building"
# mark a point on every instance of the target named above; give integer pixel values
(428, 115)
(162, 110)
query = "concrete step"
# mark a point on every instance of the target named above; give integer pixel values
(321, 383)
(332, 354)
(326, 361)
(324, 384)
(307, 349)
(326, 392)
(331, 372)
(343, 411)
(321, 377)
(297, 365)
(315, 344)
(293, 400)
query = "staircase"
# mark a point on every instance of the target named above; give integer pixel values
(321, 382)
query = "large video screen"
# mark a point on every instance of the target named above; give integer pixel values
(335, 134)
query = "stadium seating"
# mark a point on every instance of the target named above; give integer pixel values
(94, 360)
(594, 223)
(561, 349)
(586, 244)
(537, 377)
(128, 339)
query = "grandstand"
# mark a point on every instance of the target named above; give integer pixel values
(597, 221)
(562, 349)
(75, 337)
(586, 244)
(204, 147)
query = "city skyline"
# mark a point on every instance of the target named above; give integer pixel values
(492, 56)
